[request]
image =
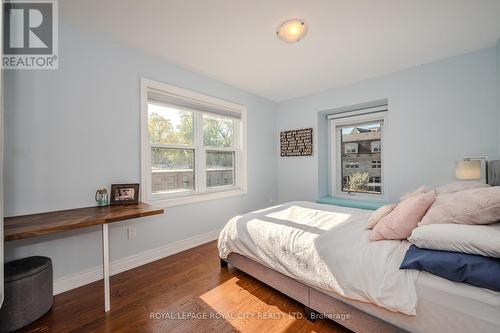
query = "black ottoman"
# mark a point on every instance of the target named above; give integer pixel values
(28, 292)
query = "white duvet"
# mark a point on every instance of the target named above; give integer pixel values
(325, 247)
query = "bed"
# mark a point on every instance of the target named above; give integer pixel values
(320, 256)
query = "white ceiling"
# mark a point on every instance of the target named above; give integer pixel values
(348, 40)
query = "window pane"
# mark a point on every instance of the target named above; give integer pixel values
(168, 125)
(218, 131)
(361, 158)
(351, 148)
(172, 170)
(220, 168)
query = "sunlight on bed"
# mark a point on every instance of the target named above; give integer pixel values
(323, 220)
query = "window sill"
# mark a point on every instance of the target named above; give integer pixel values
(359, 196)
(195, 198)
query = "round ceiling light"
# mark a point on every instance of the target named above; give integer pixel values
(292, 31)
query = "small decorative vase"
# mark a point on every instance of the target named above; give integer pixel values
(101, 196)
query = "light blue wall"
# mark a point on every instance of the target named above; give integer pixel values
(438, 113)
(73, 130)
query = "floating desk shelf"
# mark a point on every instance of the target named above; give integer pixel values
(19, 227)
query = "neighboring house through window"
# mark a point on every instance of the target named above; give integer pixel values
(357, 153)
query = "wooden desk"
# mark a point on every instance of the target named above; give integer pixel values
(19, 227)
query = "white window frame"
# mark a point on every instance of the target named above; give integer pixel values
(336, 149)
(201, 192)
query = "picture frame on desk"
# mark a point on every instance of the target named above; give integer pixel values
(124, 194)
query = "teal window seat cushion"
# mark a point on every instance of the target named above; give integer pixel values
(353, 203)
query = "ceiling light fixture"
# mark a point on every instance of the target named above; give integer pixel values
(292, 31)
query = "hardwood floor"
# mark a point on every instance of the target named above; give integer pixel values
(187, 292)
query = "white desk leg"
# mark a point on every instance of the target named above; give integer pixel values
(105, 265)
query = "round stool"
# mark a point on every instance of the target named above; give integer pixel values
(28, 292)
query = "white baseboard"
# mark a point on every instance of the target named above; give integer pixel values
(93, 274)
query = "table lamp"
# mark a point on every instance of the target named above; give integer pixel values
(470, 169)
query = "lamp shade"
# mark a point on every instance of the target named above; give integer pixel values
(468, 169)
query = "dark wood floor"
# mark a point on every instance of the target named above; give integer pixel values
(174, 290)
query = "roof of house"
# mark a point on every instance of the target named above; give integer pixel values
(360, 130)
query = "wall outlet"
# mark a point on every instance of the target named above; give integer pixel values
(131, 232)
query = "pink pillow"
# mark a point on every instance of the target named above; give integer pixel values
(459, 186)
(475, 206)
(399, 223)
(420, 190)
(379, 214)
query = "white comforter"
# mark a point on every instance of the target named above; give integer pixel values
(325, 247)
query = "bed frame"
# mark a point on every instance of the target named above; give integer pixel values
(315, 302)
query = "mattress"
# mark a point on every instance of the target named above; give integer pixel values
(326, 247)
(443, 306)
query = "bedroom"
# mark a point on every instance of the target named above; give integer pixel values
(398, 94)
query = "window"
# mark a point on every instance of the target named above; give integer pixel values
(376, 146)
(345, 180)
(351, 148)
(359, 178)
(193, 146)
(351, 165)
(361, 134)
(374, 184)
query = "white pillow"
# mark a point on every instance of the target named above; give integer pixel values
(379, 214)
(474, 206)
(420, 190)
(473, 239)
(458, 186)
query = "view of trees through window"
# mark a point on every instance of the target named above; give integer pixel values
(361, 161)
(170, 126)
(218, 131)
(172, 141)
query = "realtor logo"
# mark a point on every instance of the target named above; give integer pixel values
(30, 34)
